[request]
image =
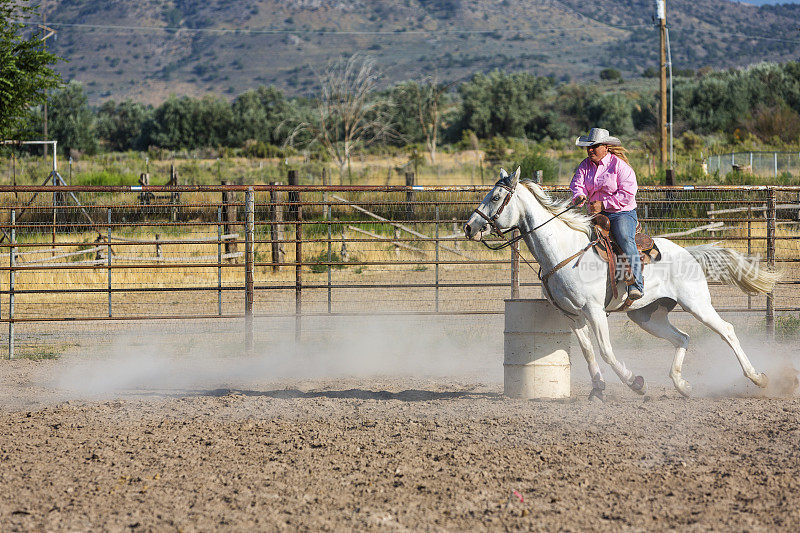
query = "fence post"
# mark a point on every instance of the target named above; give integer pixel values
(775, 162)
(410, 178)
(328, 219)
(219, 260)
(298, 273)
(344, 254)
(275, 227)
(11, 280)
(771, 257)
(229, 213)
(749, 244)
(248, 268)
(515, 267)
(108, 259)
(436, 268)
(291, 178)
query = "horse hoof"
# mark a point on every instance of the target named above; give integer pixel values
(684, 388)
(597, 394)
(638, 385)
(761, 380)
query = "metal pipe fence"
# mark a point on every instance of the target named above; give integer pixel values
(761, 163)
(271, 251)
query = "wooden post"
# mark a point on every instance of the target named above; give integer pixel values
(344, 245)
(298, 274)
(410, 178)
(330, 231)
(436, 257)
(771, 257)
(219, 260)
(749, 244)
(174, 197)
(291, 178)
(275, 226)
(11, 275)
(248, 269)
(229, 215)
(108, 253)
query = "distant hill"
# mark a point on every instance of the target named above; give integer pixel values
(770, 2)
(147, 49)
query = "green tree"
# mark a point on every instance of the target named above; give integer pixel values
(123, 126)
(25, 73)
(508, 105)
(612, 112)
(258, 115)
(71, 122)
(191, 123)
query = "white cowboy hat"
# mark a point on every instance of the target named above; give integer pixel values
(597, 136)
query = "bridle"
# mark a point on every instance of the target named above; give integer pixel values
(497, 230)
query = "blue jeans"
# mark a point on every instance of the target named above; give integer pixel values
(623, 228)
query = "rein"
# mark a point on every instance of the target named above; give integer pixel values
(508, 242)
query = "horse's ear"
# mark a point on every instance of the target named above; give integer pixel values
(503, 174)
(515, 177)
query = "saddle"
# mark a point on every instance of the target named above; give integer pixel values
(608, 250)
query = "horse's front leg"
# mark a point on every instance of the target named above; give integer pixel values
(581, 330)
(596, 318)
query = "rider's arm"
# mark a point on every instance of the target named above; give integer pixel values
(577, 185)
(626, 188)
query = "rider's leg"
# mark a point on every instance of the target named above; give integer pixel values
(623, 228)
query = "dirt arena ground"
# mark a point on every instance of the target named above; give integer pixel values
(391, 449)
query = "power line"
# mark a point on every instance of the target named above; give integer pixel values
(275, 31)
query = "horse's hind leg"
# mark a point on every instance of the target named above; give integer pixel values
(654, 319)
(596, 317)
(598, 383)
(705, 313)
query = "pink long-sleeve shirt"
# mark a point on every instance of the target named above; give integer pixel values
(613, 182)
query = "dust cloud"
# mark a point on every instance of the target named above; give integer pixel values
(191, 358)
(181, 358)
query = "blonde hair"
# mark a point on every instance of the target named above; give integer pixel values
(618, 151)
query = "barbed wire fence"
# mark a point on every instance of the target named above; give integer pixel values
(90, 257)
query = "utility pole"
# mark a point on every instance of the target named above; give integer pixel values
(44, 107)
(663, 126)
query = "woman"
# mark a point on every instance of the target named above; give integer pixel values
(608, 182)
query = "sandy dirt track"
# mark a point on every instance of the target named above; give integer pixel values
(397, 454)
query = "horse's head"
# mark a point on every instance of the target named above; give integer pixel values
(494, 213)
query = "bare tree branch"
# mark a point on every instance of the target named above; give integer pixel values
(347, 117)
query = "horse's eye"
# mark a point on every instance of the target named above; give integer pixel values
(495, 198)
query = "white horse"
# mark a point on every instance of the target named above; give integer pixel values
(581, 288)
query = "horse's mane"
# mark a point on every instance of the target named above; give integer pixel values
(574, 219)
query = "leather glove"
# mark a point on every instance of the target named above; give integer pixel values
(595, 207)
(579, 200)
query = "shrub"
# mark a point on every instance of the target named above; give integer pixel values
(322, 257)
(610, 74)
(537, 161)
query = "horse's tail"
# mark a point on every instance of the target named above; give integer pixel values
(732, 268)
